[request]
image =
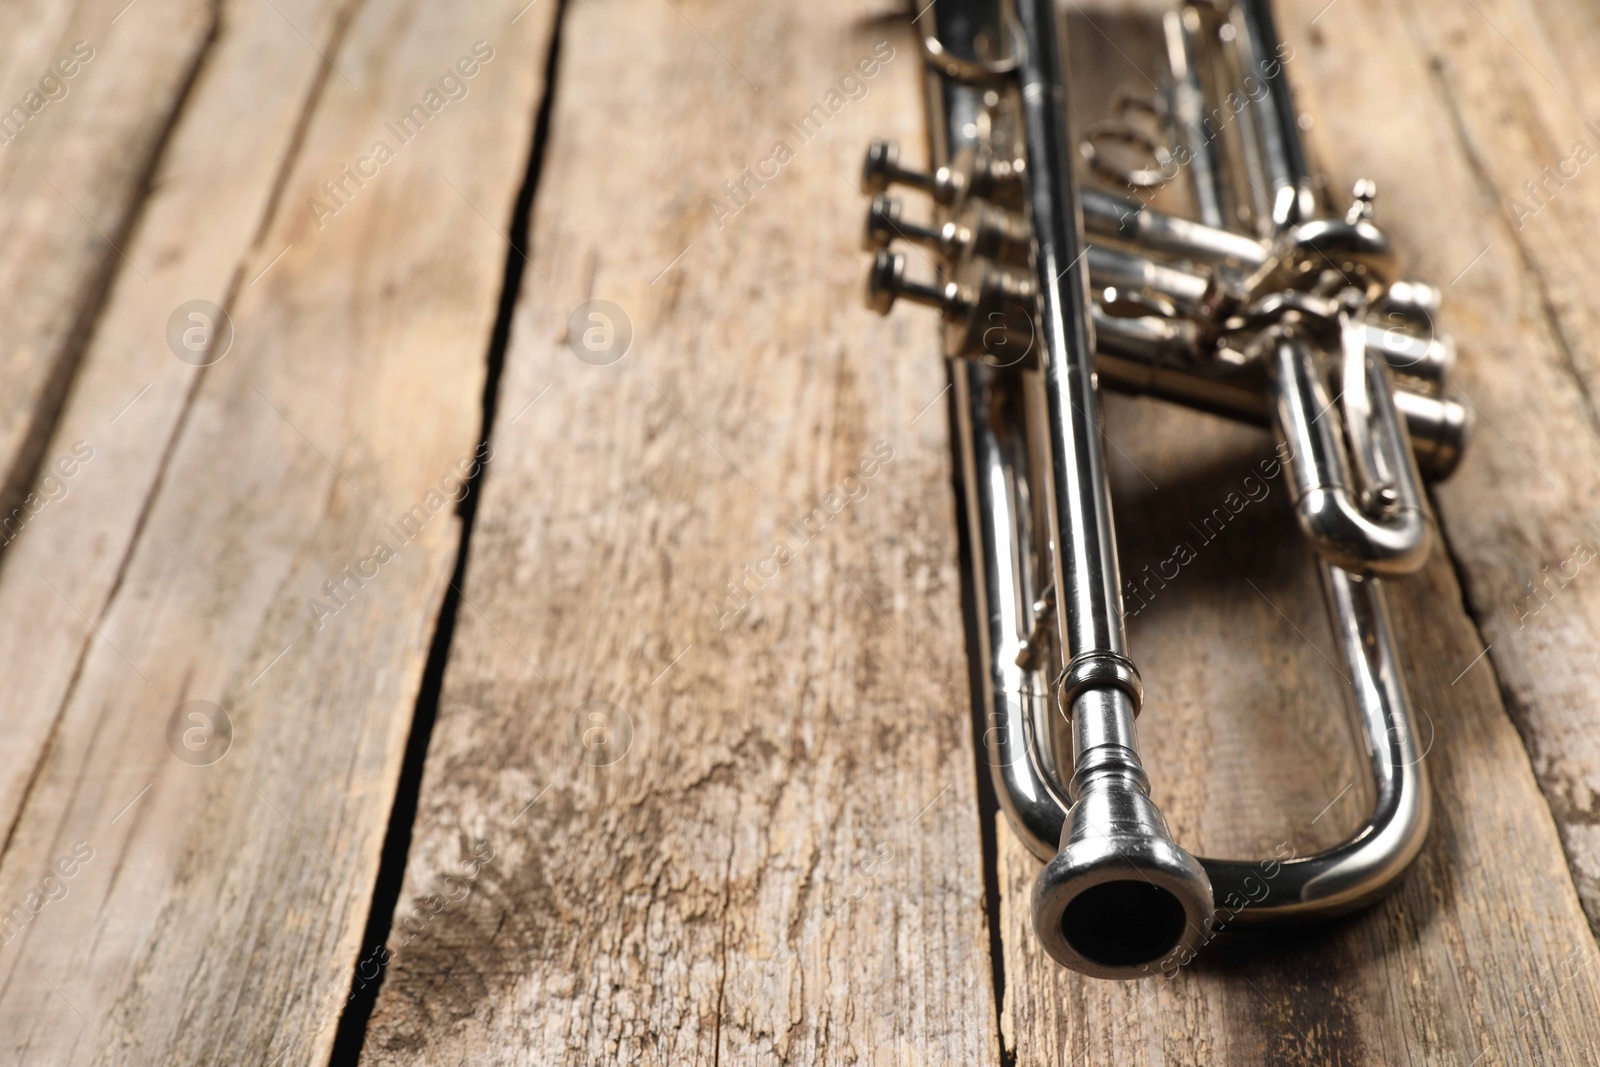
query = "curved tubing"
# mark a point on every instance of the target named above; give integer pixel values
(1019, 727)
(1022, 494)
(1163, 358)
(999, 509)
(1366, 865)
(1350, 533)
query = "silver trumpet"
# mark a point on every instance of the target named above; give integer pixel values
(1265, 307)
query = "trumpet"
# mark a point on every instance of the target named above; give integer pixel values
(1267, 306)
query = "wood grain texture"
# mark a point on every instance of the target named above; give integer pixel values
(1496, 96)
(1483, 954)
(63, 562)
(782, 864)
(692, 798)
(218, 915)
(75, 157)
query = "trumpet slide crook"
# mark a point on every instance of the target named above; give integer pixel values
(1264, 310)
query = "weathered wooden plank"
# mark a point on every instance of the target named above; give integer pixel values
(219, 913)
(1483, 954)
(62, 560)
(1501, 97)
(782, 863)
(87, 94)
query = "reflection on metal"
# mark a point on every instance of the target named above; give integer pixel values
(1265, 308)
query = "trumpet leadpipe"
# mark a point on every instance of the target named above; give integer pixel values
(1256, 326)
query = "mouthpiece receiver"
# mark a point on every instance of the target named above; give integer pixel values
(1127, 904)
(1121, 899)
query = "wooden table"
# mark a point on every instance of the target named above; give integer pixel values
(405, 665)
